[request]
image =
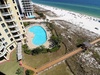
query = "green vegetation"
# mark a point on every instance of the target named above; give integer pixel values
(26, 24)
(19, 71)
(29, 72)
(26, 49)
(61, 69)
(40, 59)
(10, 67)
(40, 14)
(80, 41)
(96, 56)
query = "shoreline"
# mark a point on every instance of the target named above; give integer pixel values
(84, 21)
(70, 10)
(76, 11)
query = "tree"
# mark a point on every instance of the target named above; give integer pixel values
(18, 71)
(29, 72)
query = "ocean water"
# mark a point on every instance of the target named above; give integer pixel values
(88, 7)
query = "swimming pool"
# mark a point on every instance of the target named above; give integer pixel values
(31, 16)
(40, 35)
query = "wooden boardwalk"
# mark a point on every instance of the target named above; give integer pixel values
(57, 60)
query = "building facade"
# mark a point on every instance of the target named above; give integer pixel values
(12, 29)
(25, 7)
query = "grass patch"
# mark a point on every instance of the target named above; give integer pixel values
(26, 24)
(61, 69)
(10, 67)
(42, 58)
(96, 56)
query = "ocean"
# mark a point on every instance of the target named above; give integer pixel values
(88, 7)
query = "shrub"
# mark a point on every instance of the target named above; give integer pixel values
(55, 48)
(29, 72)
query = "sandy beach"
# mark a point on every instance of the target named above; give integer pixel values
(84, 21)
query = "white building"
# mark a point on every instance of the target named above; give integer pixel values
(12, 29)
(25, 7)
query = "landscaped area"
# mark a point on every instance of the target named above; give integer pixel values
(60, 69)
(10, 67)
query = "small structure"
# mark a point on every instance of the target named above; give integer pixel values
(86, 45)
(19, 51)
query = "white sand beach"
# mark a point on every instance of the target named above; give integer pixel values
(84, 21)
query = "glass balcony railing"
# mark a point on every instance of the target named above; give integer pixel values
(6, 13)
(4, 6)
(9, 20)
(17, 35)
(12, 26)
(15, 30)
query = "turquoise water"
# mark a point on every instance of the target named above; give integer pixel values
(31, 16)
(88, 7)
(40, 35)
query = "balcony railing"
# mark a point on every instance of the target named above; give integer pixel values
(9, 20)
(16, 35)
(4, 6)
(6, 13)
(19, 39)
(3, 53)
(13, 31)
(1, 46)
(12, 26)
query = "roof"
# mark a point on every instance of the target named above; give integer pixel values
(87, 44)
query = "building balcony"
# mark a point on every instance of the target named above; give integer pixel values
(6, 13)
(9, 20)
(12, 26)
(18, 39)
(2, 6)
(3, 51)
(17, 35)
(13, 31)
(1, 46)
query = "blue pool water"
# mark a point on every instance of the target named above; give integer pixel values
(31, 16)
(40, 35)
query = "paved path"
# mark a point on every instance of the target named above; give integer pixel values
(58, 60)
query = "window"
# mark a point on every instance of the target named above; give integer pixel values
(11, 47)
(19, 18)
(0, 19)
(22, 27)
(3, 25)
(15, 7)
(0, 34)
(23, 30)
(0, 40)
(6, 30)
(11, 39)
(13, 1)
(2, 50)
(3, 39)
(17, 13)
(9, 35)
(6, 43)
(21, 23)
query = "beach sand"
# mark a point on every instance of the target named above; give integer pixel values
(88, 22)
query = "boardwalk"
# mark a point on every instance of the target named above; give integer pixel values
(58, 60)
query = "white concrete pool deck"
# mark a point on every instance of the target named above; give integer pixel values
(30, 36)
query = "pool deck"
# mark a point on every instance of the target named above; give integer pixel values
(30, 36)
